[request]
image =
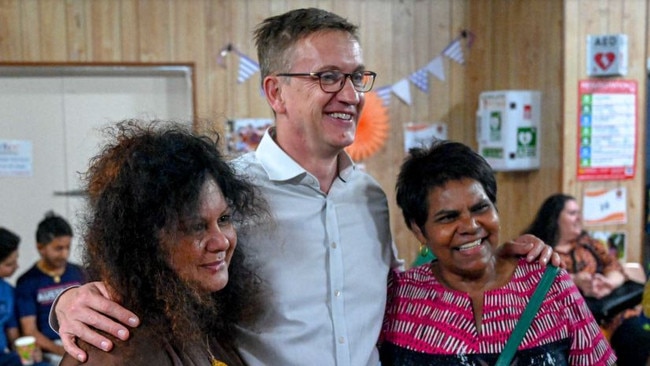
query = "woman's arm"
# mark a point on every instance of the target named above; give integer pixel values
(613, 275)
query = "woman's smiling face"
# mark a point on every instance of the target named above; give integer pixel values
(462, 227)
(569, 222)
(207, 242)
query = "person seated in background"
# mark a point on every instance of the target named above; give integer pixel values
(161, 235)
(593, 268)
(38, 287)
(461, 308)
(8, 264)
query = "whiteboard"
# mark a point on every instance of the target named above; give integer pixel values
(61, 111)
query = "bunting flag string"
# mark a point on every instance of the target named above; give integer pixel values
(436, 69)
(247, 67)
(402, 90)
(384, 93)
(455, 51)
(419, 78)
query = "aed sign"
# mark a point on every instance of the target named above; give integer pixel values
(607, 55)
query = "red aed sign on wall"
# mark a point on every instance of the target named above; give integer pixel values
(607, 55)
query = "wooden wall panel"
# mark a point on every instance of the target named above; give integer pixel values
(129, 40)
(79, 39)
(397, 37)
(30, 30)
(52, 18)
(105, 36)
(518, 46)
(582, 18)
(522, 44)
(10, 28)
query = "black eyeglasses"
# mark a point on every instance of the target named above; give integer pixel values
(333, 81)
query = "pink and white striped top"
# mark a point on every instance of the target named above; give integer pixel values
(428, 323)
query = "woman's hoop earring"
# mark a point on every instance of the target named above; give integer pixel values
(424, 250)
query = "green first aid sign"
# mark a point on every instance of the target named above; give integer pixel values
(526, 142)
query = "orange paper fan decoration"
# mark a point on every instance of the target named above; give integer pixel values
(372, 129)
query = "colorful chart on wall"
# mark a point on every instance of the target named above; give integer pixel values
(607, 131)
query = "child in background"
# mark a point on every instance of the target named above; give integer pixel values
(8, 265)
(37, 288)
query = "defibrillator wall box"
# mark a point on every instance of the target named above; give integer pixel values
(508, 129)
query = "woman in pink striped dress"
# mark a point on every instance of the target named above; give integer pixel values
(461, 308)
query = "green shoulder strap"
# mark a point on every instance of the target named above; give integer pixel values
(527, 316)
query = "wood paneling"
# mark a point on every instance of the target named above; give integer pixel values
(520, 44)
(606, 17)
(397, 37)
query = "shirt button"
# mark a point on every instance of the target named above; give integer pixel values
(341, 340)
(337, 293)
(333, 245)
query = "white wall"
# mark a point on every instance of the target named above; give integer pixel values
(62, 116)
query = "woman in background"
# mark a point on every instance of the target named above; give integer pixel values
(593, 268)
(161, 235)
(461, 308)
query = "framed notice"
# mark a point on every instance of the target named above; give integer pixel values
(607, 130)
(605, 206)
(16, 158)
(244, 134)
(419, 134)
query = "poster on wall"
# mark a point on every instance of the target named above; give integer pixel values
(244, 134)
(421, 134)
(16, 158)
(614, 241)
(605, 206)
(607, 129)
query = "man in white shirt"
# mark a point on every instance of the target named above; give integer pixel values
(326, 257)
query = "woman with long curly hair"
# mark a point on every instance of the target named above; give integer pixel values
(164, 206)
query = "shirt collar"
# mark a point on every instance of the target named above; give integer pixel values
(281, 167)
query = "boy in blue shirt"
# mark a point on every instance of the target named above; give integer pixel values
(8, 265)
(37, 288)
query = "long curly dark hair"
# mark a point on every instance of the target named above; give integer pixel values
(143, 183)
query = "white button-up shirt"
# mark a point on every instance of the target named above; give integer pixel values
(324, 261)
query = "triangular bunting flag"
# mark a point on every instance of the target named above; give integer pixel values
(455, 51)
(403, 91)
(420, 79)
(247, 68)
(384, 93)
(436, 68)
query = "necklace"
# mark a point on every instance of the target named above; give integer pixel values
(213, 360)
(55, 276)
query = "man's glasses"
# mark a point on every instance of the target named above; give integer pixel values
(333, 81)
